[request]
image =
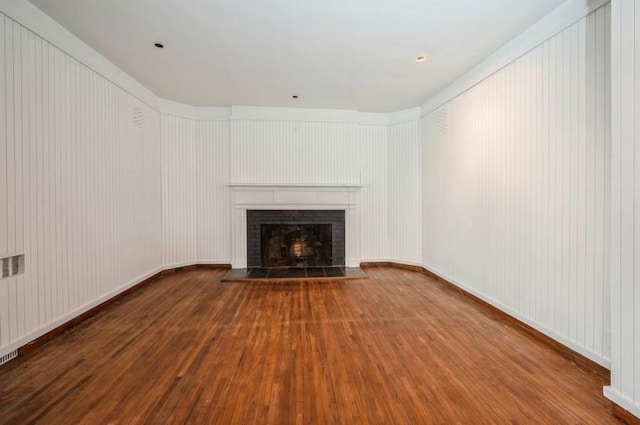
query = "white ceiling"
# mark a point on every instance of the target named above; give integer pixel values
(338, 54)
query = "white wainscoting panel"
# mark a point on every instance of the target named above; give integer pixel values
(179, 190)
(202, 158)
(80, 188)
(300, 152)
(516, 178)
(374, 164)
(318, 152)
(405, 193)
(625, 211)
(213, 198)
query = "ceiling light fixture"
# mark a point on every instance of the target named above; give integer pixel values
(159, 45)
(420, 58)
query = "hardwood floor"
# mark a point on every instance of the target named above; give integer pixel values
(398, 348)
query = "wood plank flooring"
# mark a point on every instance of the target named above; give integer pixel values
(397, 348)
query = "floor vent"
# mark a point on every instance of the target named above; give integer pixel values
(9, 356)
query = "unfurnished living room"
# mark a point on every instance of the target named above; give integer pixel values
(319, 212)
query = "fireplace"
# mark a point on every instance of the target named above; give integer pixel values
(295, 238)
(343, 198)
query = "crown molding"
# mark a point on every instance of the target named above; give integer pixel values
(562, 17)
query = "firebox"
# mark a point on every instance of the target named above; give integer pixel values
(295, 245)
(295, 238)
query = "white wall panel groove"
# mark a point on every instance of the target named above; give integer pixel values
(179, 190)
(373, 165)
(201, 157)
(515, 199)
(294, 152)
(79, 186)
(405, 192)
(625, 211)
(214, 199)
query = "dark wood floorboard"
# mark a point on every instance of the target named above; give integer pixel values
(397, 348)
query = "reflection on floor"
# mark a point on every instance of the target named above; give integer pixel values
(294, 273)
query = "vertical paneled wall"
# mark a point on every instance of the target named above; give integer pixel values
(405, 193)
(516, 174)
(179, 190)
(373, 157)
(200, 158)
(625, 212)
(213, 205)
(80, 191)
(268, 151)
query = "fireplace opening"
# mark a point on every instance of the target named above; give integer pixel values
(295, 238)
(296, 245)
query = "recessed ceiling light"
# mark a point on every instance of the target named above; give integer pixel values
(159, 45)
(420, 58)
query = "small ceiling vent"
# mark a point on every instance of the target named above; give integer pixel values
(138, 117)
(441, 121)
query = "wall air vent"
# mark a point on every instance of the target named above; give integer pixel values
(441, 121)
(9, 356)
(11, 266)
(138, 117)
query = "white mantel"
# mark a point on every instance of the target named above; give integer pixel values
(262, 196)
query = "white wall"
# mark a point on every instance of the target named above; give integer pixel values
(214, 202)
(201, 157)
(195, 196)
(80, 188)
(292, 151)
(405, 192)
(625, 229)
(516, 175)
(179, 190)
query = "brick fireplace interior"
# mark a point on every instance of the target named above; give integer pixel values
(295, 238)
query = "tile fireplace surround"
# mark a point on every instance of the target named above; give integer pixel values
(294, 197)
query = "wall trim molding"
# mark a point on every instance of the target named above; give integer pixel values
(196, 113)
(625, 409)
(604, 362)
(37, 339)
(555, 22)
(569, 352)
(622, 407)
(35, 20)
(27, 339)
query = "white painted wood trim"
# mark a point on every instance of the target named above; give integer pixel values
(25, 339)
(294, 185)
(622, 401)
(553, 23)
(602, 361)
(304, 197)
(199, 113)
(29, 16)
